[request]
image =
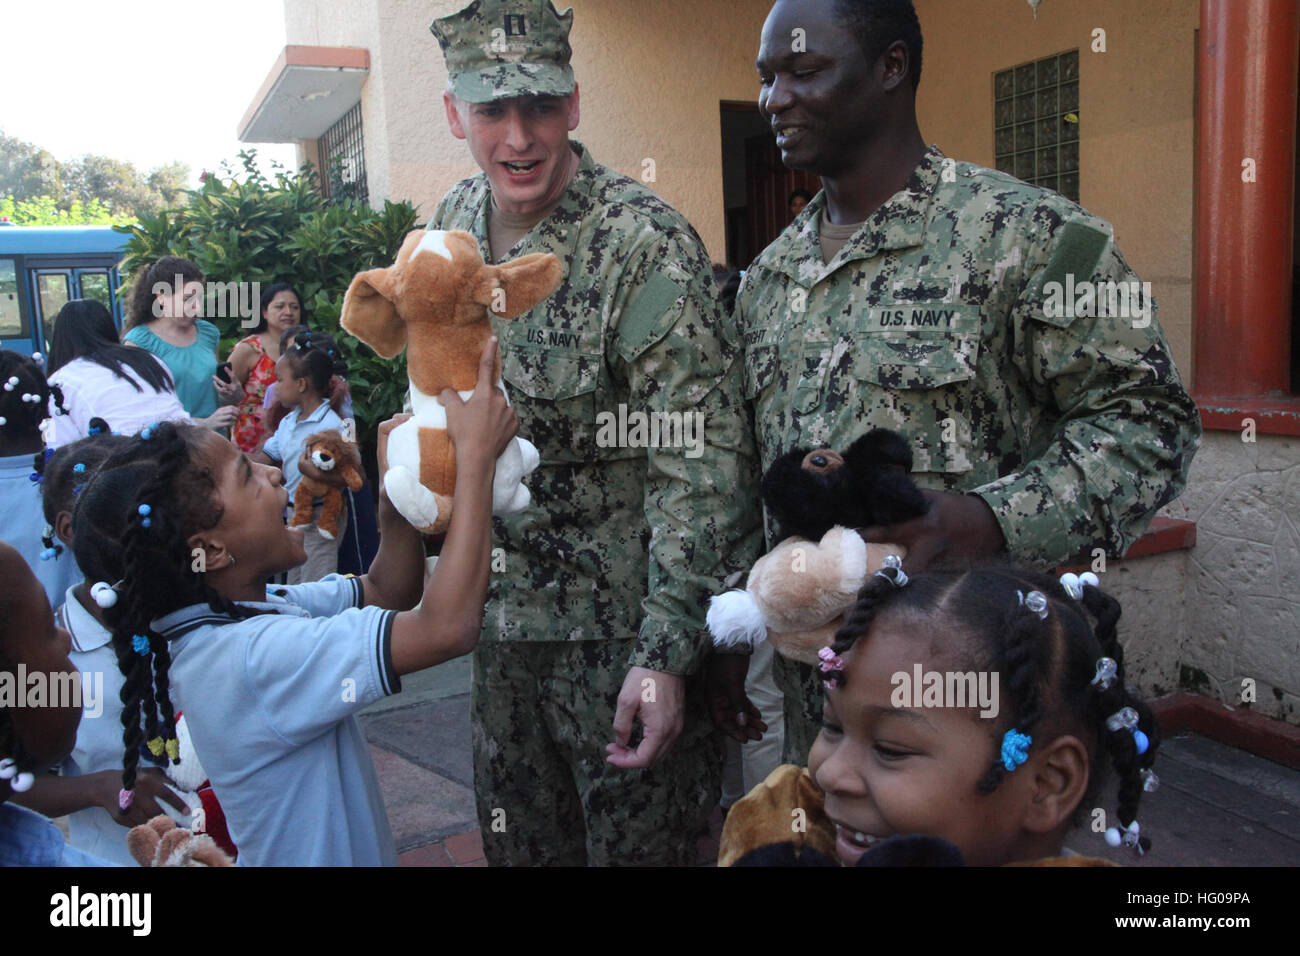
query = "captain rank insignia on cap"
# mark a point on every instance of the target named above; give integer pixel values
(499, 49)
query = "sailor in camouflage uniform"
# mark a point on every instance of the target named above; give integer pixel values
(1040, 429)
(596, 604)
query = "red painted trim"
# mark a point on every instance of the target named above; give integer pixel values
(1164, 534)
(1246, 730)
(1248, 61)
(1272, 416)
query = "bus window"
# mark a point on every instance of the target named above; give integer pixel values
(94, 285)
(52, 294)
(11, 320)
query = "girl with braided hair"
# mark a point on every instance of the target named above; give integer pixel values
(1001, 784)
(187, 531)
(26, 400)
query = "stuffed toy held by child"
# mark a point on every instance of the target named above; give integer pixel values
(329, 462)
(797, 593)
(437, 301)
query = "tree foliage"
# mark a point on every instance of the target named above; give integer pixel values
(29, 173)
(243, 227)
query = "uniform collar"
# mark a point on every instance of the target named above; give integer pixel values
(87, 633)
(900, 223)
(181, 622)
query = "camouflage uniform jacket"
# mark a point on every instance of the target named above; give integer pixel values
(622, 539)
(934, 319)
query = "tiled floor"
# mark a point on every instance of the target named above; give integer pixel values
(1216, 806)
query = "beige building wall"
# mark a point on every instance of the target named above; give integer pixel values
(650, 77)
(1136, 110)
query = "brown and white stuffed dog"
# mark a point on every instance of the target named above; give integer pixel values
(436, 301)
(329, 463)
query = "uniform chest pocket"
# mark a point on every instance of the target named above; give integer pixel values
(551, 375)
(915, 366)
(555, 391)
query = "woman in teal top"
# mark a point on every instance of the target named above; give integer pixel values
(166, 324)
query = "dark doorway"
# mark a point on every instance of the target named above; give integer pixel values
(756, 185)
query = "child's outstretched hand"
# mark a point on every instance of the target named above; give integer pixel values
(482, 427)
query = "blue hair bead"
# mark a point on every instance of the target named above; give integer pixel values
(1140, 739)
(47, 553)
(35, 477)
(140, 644)
(78, 469)
(144, 510)
(1015, 749)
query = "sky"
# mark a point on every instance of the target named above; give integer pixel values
(147, 81)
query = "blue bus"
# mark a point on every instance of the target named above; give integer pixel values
(42, 267)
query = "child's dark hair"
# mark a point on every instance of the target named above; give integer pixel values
(316, 356)
(147, 559)
(22, 378)
(292, 332)
(269, 294)
(165, 270)
(64, 473)
(1047, 665)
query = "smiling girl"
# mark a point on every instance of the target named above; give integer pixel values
(1000, 788)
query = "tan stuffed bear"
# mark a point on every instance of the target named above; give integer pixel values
(436, 301)
(797, 594)
(329, 463)
(160, 842)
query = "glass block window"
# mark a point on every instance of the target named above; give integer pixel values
(1036, 122)
(343, 159)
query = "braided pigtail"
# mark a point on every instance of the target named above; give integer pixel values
(1023, 660)
(1125, 724)
(880, 588)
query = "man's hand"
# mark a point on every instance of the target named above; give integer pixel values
(733, 712)
(150, 787)
(659, 700)
(954, 526)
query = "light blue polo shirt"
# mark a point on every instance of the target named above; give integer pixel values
(271, 704)
(21, 524)
(290, 439)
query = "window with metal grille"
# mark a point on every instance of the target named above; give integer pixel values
(343, 159)
(1036, 122)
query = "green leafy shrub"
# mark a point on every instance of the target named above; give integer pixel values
(248, 228)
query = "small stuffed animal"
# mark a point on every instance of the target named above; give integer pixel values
(797, 593)
(437, 301)
(334, 463)
(160, 842)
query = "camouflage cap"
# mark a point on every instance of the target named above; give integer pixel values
(497, 49)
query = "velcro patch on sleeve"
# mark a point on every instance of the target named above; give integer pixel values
(1078, 249)
(650, 315)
